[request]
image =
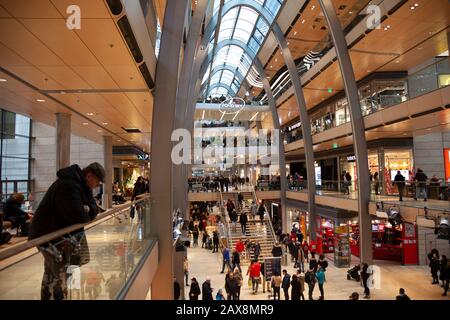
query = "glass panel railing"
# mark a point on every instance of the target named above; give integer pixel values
(70, 264)
(380, 94)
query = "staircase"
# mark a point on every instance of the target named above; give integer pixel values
(257, 230)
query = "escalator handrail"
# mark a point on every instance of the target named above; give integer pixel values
(19, 248)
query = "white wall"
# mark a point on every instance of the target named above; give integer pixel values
(83, 152)
(429, 153)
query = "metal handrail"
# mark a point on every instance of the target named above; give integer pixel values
(7, 253)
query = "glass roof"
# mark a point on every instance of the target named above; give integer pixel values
(247, 26)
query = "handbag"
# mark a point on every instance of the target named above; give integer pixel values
(250, 282)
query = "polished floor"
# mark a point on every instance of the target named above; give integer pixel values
(416, 280)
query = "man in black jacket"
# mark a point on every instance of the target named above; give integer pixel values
(286, 283)
(421, 184)
(68, 201)
(399, 180)
(206, 289)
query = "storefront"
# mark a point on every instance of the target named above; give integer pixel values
(300, 219)
(389, 242)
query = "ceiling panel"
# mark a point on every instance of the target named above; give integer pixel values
(96, 77)
(30, 8)
(17, 38)
(66, 77)
(63, 42)
(90, 9)
(127, 76)
(35, 77)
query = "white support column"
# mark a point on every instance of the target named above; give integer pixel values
(63, 132)
(358, 130)
(107, 185)
(166, 82)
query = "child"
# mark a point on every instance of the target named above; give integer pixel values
(219, 295)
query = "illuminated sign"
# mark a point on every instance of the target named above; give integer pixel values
(447, 163)
(143, 157)
(295, 126)
(232, 105)
(351, 158)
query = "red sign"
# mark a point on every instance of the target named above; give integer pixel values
(447, 163)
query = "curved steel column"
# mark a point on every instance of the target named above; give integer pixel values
(359, 138)
(281, 158)
(161, 148)
(306, 127)
(180, 172)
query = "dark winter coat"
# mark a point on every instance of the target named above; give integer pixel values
(207, 291)
(139, 188)
(63, 204)
(12, 210)
(295, 291)
(195, 291)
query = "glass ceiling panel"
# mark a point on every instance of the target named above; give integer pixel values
(244, 24)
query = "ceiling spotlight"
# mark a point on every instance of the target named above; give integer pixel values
(40, 100)
(313, 7)
(295, 33)
(105, 123)
(416, 5)
(99, 131)
(85, 123)
(412, 7)
(3, 80)
(303, 21)
(90, 114)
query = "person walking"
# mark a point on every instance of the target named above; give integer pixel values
(68, 201)
(205, 239)
(320, 275)
(421, 184)
(194, 292)
(310, 279)
(236, 260)
(301, 281)
(399, 181)
(243, 220)
(306, 250)
(447, 279)
(365, 275)
(434, 268)
(206, 289)
(231, 286)
(253, 210)
(255, 274)
(313, 263)
(295, 288)
(323, 262)
(376, 182)
(215, 242)
(256, 250)
(276, 284)
(195, 235)
(226, 259)
(237, 274)
(443, 269)
(286, 283)
(186, 270)
(176, 289)
(261, 211)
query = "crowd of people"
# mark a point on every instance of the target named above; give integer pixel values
(216, 183)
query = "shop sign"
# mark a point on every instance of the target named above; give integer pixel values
(351, 158)
(341, 229)
(447, 163)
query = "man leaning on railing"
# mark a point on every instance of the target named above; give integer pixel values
(68, 201)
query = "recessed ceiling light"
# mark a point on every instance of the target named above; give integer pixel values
(368, 71)
(99, 131)
(397, 61)
(295, 33)
(271, 66)
(40, 100)
(419, 48)
(429, 129)
(85, 123)
(313, 7)
(105, 123)
(416, 5)
(276, 60)
(119, 140)
(350, 12)
(90, 114)
(3, 80)
(303, 21)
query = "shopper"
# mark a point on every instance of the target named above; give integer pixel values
(195, 290)
(323, 262)
(286, 284)
(310, 279)
(231, 286)
(421, 184)
(276, 284)
(313, 263)
(186, 270)
(215, 242)
(399, 181)
(243, 220)
(306, 250)
(219, 295)
(68, 201)
(256, 250)
(295, 288)
(301, 281)
(434, 268)
(195, 235)
(205, 239)
(240, 246)
(253, 210)
(239, 281)
(176, 289)
(226, 259)
(402, 295)
(206, 289)
(320, 275)
(447, 279)
(365, 275)
(236, 260)
(255, 274)
(376, 183)
(261, 211)
(14, 214)
(443, 269)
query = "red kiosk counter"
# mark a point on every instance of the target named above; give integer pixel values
(394, 243)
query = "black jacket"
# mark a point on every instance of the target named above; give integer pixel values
(63, 204)
(12, 210)
(277, 251)
(421, 178)
(195, 291)
(139, 188)
(295, 291)
(286, 283)
(176, 290)
(207, 291)
(399, 180)
(236, 258)
(243, 218)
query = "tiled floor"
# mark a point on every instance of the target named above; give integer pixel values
(416, 280)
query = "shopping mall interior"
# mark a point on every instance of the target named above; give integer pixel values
(224, 149)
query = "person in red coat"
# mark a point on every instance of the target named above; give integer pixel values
(240, 247)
